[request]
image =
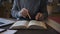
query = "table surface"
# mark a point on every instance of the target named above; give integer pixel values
(47, 31)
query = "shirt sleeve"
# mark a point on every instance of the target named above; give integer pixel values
(15, 12)
(43, 8)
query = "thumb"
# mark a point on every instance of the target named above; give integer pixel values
(36, 17)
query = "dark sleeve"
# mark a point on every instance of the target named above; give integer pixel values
(43, 8)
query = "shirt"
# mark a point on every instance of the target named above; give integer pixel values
(34, 6)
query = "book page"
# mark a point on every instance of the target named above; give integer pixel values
(6, 21)
(1, 30)
(37, 23)
(20, 24)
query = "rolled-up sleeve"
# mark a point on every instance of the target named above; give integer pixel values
(15, 12)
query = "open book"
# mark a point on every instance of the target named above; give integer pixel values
(29, 25)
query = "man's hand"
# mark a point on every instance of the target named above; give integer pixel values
(38, 16)
(25, 13)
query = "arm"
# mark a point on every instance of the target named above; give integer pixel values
(15, 12)
(43, 8)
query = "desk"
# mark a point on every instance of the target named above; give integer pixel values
(48, 31)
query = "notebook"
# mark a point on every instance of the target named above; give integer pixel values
(4, 22)
(1, 30)
(8, 31)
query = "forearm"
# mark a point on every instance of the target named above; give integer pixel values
(15, 13)
(43, 9)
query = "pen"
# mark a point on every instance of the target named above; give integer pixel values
(29, 16)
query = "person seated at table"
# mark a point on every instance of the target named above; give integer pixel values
(30, 9)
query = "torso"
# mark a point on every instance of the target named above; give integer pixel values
(31, 5)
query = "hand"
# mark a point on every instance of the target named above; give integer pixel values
(25, 13)
(38, 16)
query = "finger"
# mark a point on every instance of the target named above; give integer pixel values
(29, 16)
(23, 16)
(41, 14)
(36, 17)
(26, 13)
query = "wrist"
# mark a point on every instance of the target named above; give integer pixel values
(19, 13)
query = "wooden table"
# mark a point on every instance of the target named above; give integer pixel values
(48, 31)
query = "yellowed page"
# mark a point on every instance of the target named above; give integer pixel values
(37, 23)
(20, 24)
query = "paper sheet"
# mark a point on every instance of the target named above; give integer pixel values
(9, 32)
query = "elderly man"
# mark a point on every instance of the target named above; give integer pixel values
(30, 9)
